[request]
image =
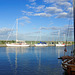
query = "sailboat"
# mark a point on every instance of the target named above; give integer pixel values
(59, 43)
(41, 44)
(18, 43)
(68, 62)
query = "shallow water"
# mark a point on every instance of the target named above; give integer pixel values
(32, 60)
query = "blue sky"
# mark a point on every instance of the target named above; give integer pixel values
(35, 16)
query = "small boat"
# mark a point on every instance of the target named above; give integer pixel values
(60, 45)
(43, 44)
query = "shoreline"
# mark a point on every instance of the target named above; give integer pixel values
(3, 45)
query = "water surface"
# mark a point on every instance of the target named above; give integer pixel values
(32, 60)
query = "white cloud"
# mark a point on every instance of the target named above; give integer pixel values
(30, 6)
(66, 4)
(63, 5)
(36, 8)
(70, 14)
(27, 13)
(27, 19)
(24, 17)
(53, 10)
(62, 15)
(42, 14)
(32, 0)
(31, 33)
(70, 9)
(33, 3)
(49, 28)
(59, 8)
(5, 31)
(35, 14)
(40, 8)
(52, 1)
(65, 15)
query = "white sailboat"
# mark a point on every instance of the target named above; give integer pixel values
(59, 43)
(41, 44)
(18, 43)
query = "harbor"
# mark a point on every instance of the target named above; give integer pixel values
(37, 37)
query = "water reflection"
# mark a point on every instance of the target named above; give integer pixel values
(18, 49)
(38, 56)
(32, 60)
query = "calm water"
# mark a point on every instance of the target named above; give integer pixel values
(31, 60)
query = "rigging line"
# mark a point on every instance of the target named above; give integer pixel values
(36, 38)
(69, 28)
(70, 23)
(10, 33)
(67, 35)
(74, 25)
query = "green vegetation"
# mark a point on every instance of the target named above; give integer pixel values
(4, 42)
(35, 42)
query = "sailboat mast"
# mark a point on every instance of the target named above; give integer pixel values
(74, 23)
(40, 33)
(16, 29)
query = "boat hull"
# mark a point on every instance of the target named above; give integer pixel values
(14, 45)
(41, 45)
(60, 45)
(69, 67)
(68, 64)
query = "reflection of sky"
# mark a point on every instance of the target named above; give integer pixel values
(31, 60)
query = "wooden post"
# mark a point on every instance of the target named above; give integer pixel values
(68, 70)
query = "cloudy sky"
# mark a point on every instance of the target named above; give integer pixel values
(37, 19)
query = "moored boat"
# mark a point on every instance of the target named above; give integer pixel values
(18, 43)
(43, 44)
(60, 45)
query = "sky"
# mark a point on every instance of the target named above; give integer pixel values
(38, 20)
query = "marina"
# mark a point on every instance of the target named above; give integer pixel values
(37, 37)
